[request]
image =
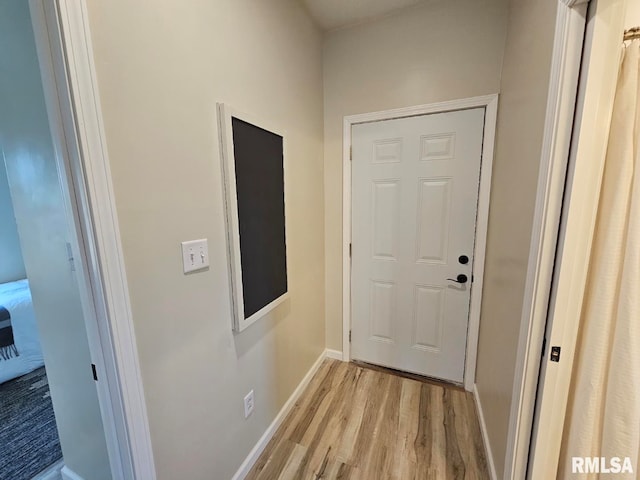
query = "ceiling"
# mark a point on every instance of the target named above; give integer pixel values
(330, 14)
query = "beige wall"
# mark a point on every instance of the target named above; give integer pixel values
(11, 263)
(442, 50)
(161, 68)
(633, 14)
(41, 218)
(521, 114)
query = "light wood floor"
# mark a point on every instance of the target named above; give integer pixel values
(354, 422)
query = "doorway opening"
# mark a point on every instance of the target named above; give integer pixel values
(486, 108)
(52, 418)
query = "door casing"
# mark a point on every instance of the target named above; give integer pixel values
(490, 104)
(588, 136)
(63, 41)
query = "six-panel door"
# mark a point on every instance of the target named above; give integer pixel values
(414, 201)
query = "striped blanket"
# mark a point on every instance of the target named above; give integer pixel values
(7, 345)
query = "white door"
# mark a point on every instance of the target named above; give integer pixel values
(414, 201)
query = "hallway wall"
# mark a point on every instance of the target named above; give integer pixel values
(521, 118)
(161, 68)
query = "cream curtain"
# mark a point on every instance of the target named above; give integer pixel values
(603, 415)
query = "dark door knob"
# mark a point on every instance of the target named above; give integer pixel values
(462, 278)
(463, 259)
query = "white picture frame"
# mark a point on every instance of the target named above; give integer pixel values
(226, 114)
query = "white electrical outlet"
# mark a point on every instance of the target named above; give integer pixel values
(248, 404)
(195, 255)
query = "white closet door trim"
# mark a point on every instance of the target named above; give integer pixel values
(598, 82)
(561, 101)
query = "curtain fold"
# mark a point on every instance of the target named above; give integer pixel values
(603, 413)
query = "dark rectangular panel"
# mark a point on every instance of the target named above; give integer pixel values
(259, 172)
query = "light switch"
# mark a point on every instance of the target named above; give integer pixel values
(195, 255)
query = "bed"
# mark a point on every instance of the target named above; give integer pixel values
(20, 351)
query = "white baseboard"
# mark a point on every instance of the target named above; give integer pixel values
(68, 474)
(335, 354)
(51, 473)
(257, 450)
(485, 436)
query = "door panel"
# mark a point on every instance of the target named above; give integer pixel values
(434, 199)
(414, 201)
(386, 205)
(383, 306)
(429, 302)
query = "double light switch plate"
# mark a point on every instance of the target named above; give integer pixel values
(195, 255)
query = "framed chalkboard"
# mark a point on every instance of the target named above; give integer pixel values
(253, 171)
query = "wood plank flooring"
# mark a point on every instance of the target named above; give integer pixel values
(359, 423)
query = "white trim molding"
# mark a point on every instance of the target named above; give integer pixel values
(62, 126)
(485, 434)
(563, 87)
(67, 474)
(266, 437)
(53, 472)
(334, 354)
(89, 165)
(490, 104)
(575, 3)
(596, 95)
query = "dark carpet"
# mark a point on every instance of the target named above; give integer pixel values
(28, 436)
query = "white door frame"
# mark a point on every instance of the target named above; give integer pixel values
(65, 56)
(490, 104)
(598, 83)
(558, 129)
